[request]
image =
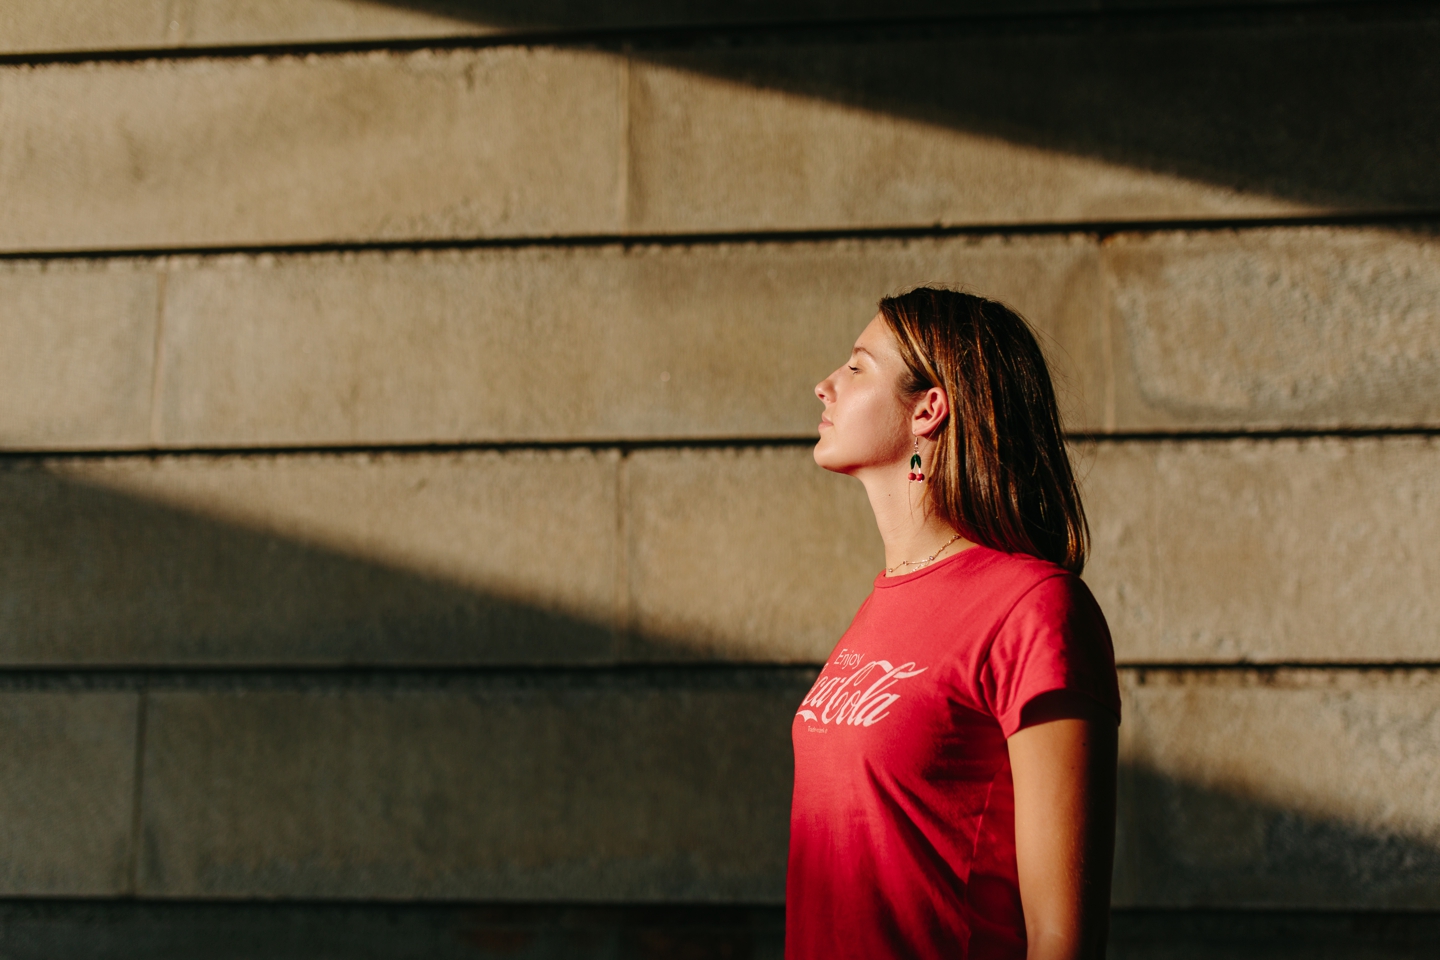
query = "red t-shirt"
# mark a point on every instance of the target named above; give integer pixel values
(902, 828)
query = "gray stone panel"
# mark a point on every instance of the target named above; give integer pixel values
(158, 930)
(1290, 789)
(712, 155)
(1135, 119)
(754, 555)
(44, 26)
(1273, 935)
(1298, 789)
(1267, 550)
(1274, 328)
(1302, 327)
(668, 789)
(1204, 551)
(445, 558)
(949, 126)
(602, 343)
(140, 930)
(77, 345)
(67, 793)
(310, 149)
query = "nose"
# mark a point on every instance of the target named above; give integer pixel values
(823, 391)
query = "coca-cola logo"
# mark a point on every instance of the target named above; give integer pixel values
(862, 699)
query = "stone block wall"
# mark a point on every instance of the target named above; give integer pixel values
(409, 544)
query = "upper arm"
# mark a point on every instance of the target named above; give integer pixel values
(1063, 761)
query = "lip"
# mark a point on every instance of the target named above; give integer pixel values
(825, 423)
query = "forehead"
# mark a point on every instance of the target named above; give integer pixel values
(876, 339)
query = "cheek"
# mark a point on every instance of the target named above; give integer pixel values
(874, 419)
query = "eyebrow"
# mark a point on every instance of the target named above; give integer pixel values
(855, 350)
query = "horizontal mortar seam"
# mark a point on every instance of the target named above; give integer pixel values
(36, 906)
(738, 675)
(1100, 230)
(342, 903)
(628, 446)
(436, 678)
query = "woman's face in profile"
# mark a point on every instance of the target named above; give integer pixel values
(866, 422)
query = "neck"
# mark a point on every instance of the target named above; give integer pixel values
(907, 523)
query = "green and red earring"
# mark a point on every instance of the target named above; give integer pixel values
(915, 472)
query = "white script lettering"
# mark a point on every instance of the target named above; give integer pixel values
(862, 699)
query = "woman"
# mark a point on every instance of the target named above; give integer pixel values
(955, 760)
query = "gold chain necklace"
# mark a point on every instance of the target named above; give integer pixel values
(918, 564)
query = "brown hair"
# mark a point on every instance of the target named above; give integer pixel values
(1001, 475)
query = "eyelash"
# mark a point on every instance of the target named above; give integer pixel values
(854, 369)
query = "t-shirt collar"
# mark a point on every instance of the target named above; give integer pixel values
(972, 552)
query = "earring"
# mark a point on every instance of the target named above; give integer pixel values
(915, 473)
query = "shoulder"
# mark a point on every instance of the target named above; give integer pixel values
(1059, 593)
(1046, 606)
(1012, 579)
(1057, 605)
(1052, 638)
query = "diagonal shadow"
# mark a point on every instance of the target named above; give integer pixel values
(1328, 108)
(171, 931)
(1185, 844)
(93, 577)
(96, 577)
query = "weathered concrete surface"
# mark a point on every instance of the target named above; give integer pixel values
(1271, 328)
(954, 127)
(716, 155)
(55, 25)
(578, 344)
(1314, 789)
(669, 790)
(1129, 120)
(463, 558)
(221, 22)
(1304, 327)
(754, 555)
(1308, 789)
(1273, 935)
(479, 558)
(1306, 550)
(295, 149)
(1317, 550)
(77, 344)
(289, 931)
(34, 26)
(67, 793)
(1320, 550)
(157, 930)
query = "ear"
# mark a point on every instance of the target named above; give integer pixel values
(930, 412)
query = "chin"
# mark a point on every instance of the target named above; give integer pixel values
(823, 458)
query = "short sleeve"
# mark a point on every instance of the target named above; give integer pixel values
(1054, 638)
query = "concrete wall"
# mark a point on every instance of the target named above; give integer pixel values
(408, 536)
